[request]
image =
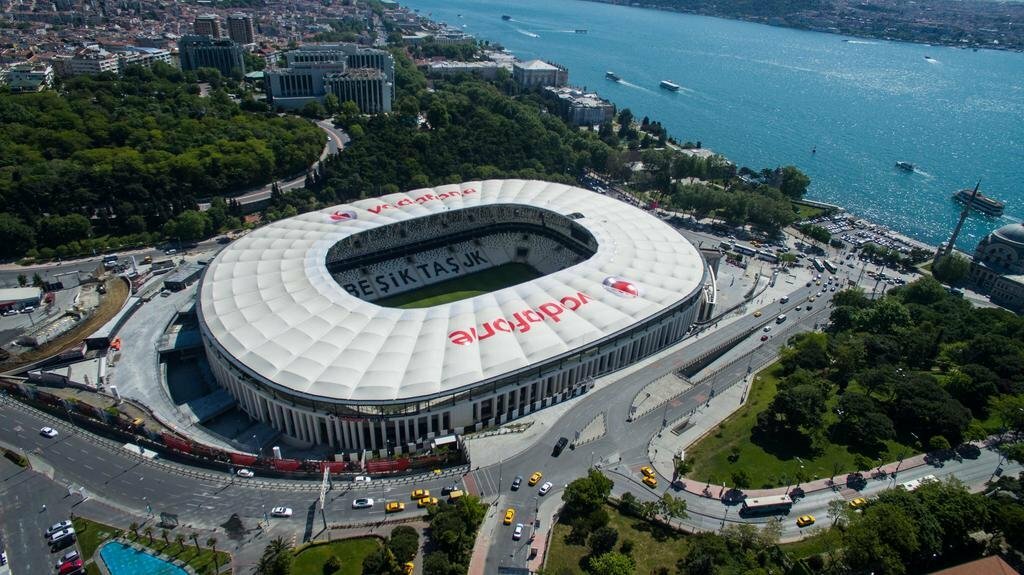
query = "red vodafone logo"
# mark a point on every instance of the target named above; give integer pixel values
(341, 216)
(621, 287)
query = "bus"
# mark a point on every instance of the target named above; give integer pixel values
(829, 266)
(771, 505)
(817, 265)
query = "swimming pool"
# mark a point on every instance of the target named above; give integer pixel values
(124, 560)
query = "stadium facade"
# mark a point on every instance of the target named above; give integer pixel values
(296, 322)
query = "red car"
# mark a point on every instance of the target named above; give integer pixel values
(68, 567)
(764, 337)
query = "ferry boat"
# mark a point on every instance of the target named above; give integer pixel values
(982, 203)
(506, 17)
(907, 166)
(612, 76)
(672, 86)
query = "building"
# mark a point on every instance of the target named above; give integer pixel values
(296, 326)
(580, 108)
(305, 79)
(998, 266)
(446, 68)
(20, 298)
(183, 277)
(991, 565)
(208, 25)
(29, 77)
(92, 59)
(536, 73)
(196, 52)
(240, 29)
(367, 87)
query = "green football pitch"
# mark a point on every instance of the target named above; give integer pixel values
(464, 287)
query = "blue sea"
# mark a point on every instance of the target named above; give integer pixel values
(766, 96)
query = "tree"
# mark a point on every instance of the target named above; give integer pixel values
(612, 563)
(16, 237)
(881, 540)
(794, 182)
(938, 443)
(211, 542)
(165, 535)
(602, 540)
(22, 280)
(333, 565)
(195, 540)
(381, 562)
(437, 563)
(276, 558)
(672, 507)
(190, 225)
(707, 550)
(740, 478)
(951, 269)
(585, 494)
(404, 542)
(149, 533)
(862, 421)
(134, 528)
(179, 538)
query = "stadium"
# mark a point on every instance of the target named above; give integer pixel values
(388, 322)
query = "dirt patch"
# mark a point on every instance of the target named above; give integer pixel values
(110, 304)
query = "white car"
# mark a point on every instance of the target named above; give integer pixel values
(362, 503)
(69, 556)
(28, 309)
(10, 312)
(362, 479)
(545, 488)
(518, 533)
(281, 512)
(48, 432)
(245, 473)
(58, 535)
(58, 527)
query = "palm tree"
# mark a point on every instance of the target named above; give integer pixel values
(166, 536)
(149, 533)
(195, 539)
(179, 538)
(134, 528)
(211, 542)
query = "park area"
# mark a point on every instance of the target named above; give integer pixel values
(180, 546)
(350, 554)
(737, 455)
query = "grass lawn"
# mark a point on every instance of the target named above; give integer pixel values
(654, 546)
(311, 559)
(807, 212)
(464, 287)
(773, 461)
(816, 544)
(91, 535)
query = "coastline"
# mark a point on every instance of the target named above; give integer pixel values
(821, 29)
(842, 213)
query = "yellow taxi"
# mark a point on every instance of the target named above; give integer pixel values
(805, 520)
(647, 471)
(510, 515)
(757, 313)
(420, 493)
(409, 567)
(650, 481)
(394, 507)
(426, 501)
(858, 503)
(535, 478)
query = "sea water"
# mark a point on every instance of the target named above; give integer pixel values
(766, 96)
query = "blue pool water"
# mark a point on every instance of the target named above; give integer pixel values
(123, 560)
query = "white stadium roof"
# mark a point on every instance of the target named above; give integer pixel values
(269, 302)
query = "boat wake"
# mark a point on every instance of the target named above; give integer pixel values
(635, 86)
(527, 33)
(860, 42)
(932, 61)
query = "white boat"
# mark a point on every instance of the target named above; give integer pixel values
(670, 85)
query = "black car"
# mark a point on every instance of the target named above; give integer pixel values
(517, 482)
(562, 442)
(449, 488)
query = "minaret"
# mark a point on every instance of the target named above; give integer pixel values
(948, 249)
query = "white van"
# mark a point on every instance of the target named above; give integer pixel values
(780, 319)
